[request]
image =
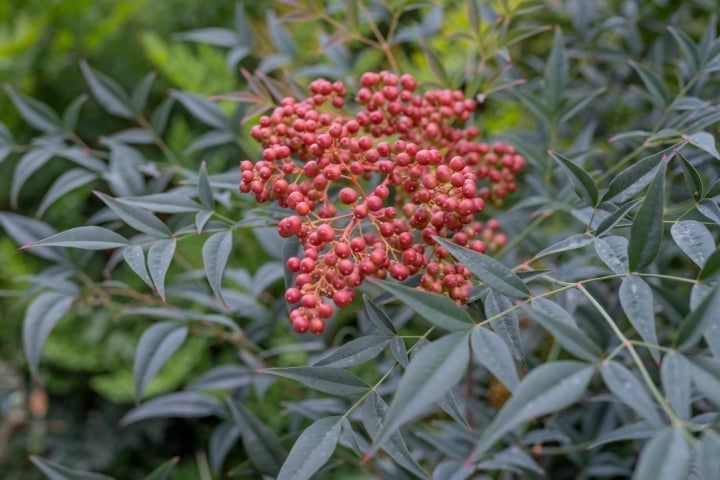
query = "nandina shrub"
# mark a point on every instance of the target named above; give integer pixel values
(579, 339)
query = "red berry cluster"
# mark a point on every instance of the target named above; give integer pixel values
(369, 191)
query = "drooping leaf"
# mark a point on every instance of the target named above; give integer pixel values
(205, 192)
(436, 309)
(582, 182)
(572, 242)
(261, 443)
(312, 449)
(666, 455)
(222, 439)
(548, 388)
(615, 217)
(67, 182)
(654, 84)
(647, 230)
(493, 353)
(216, 253)
(36, 113)
(556, 72)
(166, 202)
(202, 109)
(675, 376)
(86, 238)
(183, 404)
(356, 351)
(155, 347)
(626, 386)
(41, 316)
(431, 374)
(694, 239)
(159, 257)
(493, 273)
(24, 231)
(612, 250)
(334, 381)
(378, 317)
(108, 93)
(55, 471)
(505, 323)
(636, 299)
(631, 180)
(705, 142)
(33, 160)
(136, 217)
(562, 326)
(694, 324)
(163, 471)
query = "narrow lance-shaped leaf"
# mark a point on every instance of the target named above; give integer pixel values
(41, 316)
(612, 250)
(183, 404)
(216, 253)
(334, 381)
(505, 323)
(155, 347)
(201, 108)
(163, 471)
(694, 239)
(67, 182)
(356, 351)
(261, 443)
(55, 471)
(135, 258)
(159, 257)
(28, 164)
(72, 112)
(631, 180)
(691, 176)
(86, 238)
(705, 142)
(647, 229)
(705, 373)
(205, 192)
(224, 437)
(675, 376)
(615, 217)
(654, 84)
(572, 242)
(493, 273)
(666, 455)
(493, 353)
(378, 317)
(108, 92)
(694, 324)
(636, 299)
(140, 93)
(548, 388)
(556, 72)
(312, 449)
(582, 182)
(431, 374)
(625, 385)
(136, 217)
(708, 458)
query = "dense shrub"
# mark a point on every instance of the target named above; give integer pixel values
(530, 188)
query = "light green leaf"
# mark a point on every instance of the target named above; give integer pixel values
(355, 352)
(431, 374)
(436, 309)
(562, 326)
(694, 239)
(183, 404)
(312, 449)
(33, 160)
(41, 316)
(705, 142)
(55, 471)
(493, 353)
(646, 232)
(334, 381)
(612, 250)
(136, 217)
(675, 376)
(35, 112)
(548, 388)
(694, 324)
(582, 182)
(108, 92)
(506, 323)
(135, 258)
(86, 238)
(67, 182)
(202, 109)
(615, 217)
(216, 253)
(666, 455)
(572, 242)
(625, 385)
(155, 347)
(493, 273)
(636, 299)
(159, 257)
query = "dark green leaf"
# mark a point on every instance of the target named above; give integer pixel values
(210, 139)
(136, 217)
(183, 404)
(694, 324)
(356, 351)
(692, 177)
(162, 472)
(436, 309)
(35, 112)
(556, 72)
(41, 316)
(334, 381)
(159, 257)
(614, 218)
(666, 455)
(28, 164)
(625, 385)
(562, 326)
(205, 192)
(505, 323)
(708, 457)
(493, 273)
(712, 265)
(631, 180)
(688, 48)
(647, 229)
(639, 430)
(573, 242)
(612, 250)
(511, 459)
(216, 253)
(108, 92)
(312, 449)
(55, 471)
(675, 376)
(160, 116)
(67, 182)
(578, 104)
(431, 374)
(223, 439)
(709, 208)
(694, 239)
(135, 258)
(582, 182)
(155, 347)
(24, 230)
(261, 443)
(548, 388)
(223, 377)
(86, 238)
(378, 317)
(534, 103)
(493, 353)
(397, 346)
(654, 84)
(203, 109)
(705, 142)
(636, 299)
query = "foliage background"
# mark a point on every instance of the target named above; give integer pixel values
(86, 386)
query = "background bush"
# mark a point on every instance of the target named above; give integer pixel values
(613, 105)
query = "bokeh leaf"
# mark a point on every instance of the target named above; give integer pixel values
(55, 471)
(562, 326)
(155, 347)
(108, 92)
(41, 316)
(183, 404)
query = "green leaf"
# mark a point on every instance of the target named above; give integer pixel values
(511, 459)
(694, 324)
(139, 219)
(614, 218)
(556, 72)
(162, 472)
(691, 176)
(506, 323)
(135, 258)
(159, 257)
(72, 112)
(675, 376)
(35, 112)
(612, 250)
(709, 208)
(155, 347)
(493, 353)
(397, 346)
(223, 438)
(705, 142)
(86, 238)
(32, 161)
(708, 457)
(202, 218)
(355, 352)
(139, 95)
(582, 182)
(378, 317)
(688, 48)
(548, 388)
(164, 202)
(636, 299)
(262, 445)
(493, 273)
(210, 139)
(6, 142)
(654, 84)
(666, 455)
(334, 381)
(572, 242)
(431, 374)
(578, 104)
(108, 93)
(562, 326)
(183, 404)
(160, 115)
(624, 385)
(55, 471)
(694, 239)
(705, 373)
(312, 449)
(436, 309)
(205, 192)
(712, 265)
(24, 230)
(631, 180)
(41, 316)
(67, 182)
(216, 253)
(202, 109)
(646, 231)
(534, 103)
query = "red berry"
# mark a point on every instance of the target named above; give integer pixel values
(347, 195)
